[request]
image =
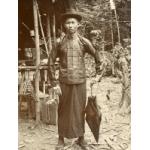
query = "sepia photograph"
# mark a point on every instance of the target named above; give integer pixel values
(74, 74)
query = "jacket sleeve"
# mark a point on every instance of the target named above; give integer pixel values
(91, 50)
(51, 65)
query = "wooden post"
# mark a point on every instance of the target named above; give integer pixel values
(54, 30)
(111, 27)
(54, 24)
(49, 33)
(112, 39)
(37, 46)
(117, 24)
(103, 36)
(113, 7)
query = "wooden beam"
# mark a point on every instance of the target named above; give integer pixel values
(32, 68)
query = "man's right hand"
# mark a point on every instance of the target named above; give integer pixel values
(57, 90)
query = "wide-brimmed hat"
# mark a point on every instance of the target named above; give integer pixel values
(71, 13)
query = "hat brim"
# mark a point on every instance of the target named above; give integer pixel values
(70, 15)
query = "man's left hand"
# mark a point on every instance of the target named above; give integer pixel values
(96, 79)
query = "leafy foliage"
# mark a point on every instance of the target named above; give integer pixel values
(98, 15)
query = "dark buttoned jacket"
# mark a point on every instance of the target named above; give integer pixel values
(71, 53)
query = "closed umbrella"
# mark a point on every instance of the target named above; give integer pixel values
(93, 115)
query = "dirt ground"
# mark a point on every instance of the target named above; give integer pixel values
(114, 130)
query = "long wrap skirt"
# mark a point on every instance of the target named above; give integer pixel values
(71, 107)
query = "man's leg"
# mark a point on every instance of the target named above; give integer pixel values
(60, 145)
(61, 140)
(81, 142)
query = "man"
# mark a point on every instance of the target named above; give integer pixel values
(72, 79)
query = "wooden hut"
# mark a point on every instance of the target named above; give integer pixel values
(38, 28)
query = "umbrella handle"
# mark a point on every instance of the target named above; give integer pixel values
(91, 89)
(91, 86)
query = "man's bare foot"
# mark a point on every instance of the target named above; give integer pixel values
(82, 143)
(60, 144)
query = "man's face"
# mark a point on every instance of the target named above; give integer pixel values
(71, 25)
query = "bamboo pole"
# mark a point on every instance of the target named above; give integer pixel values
(111, 27)
(54, 30)
(112, 35)
(49, 37)
(118, 31)
(41, 27)
(54, 24)
(37, 45)
(112, 39)
(113, 7)
(117, 24)
(103, 38)
(49, 33)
